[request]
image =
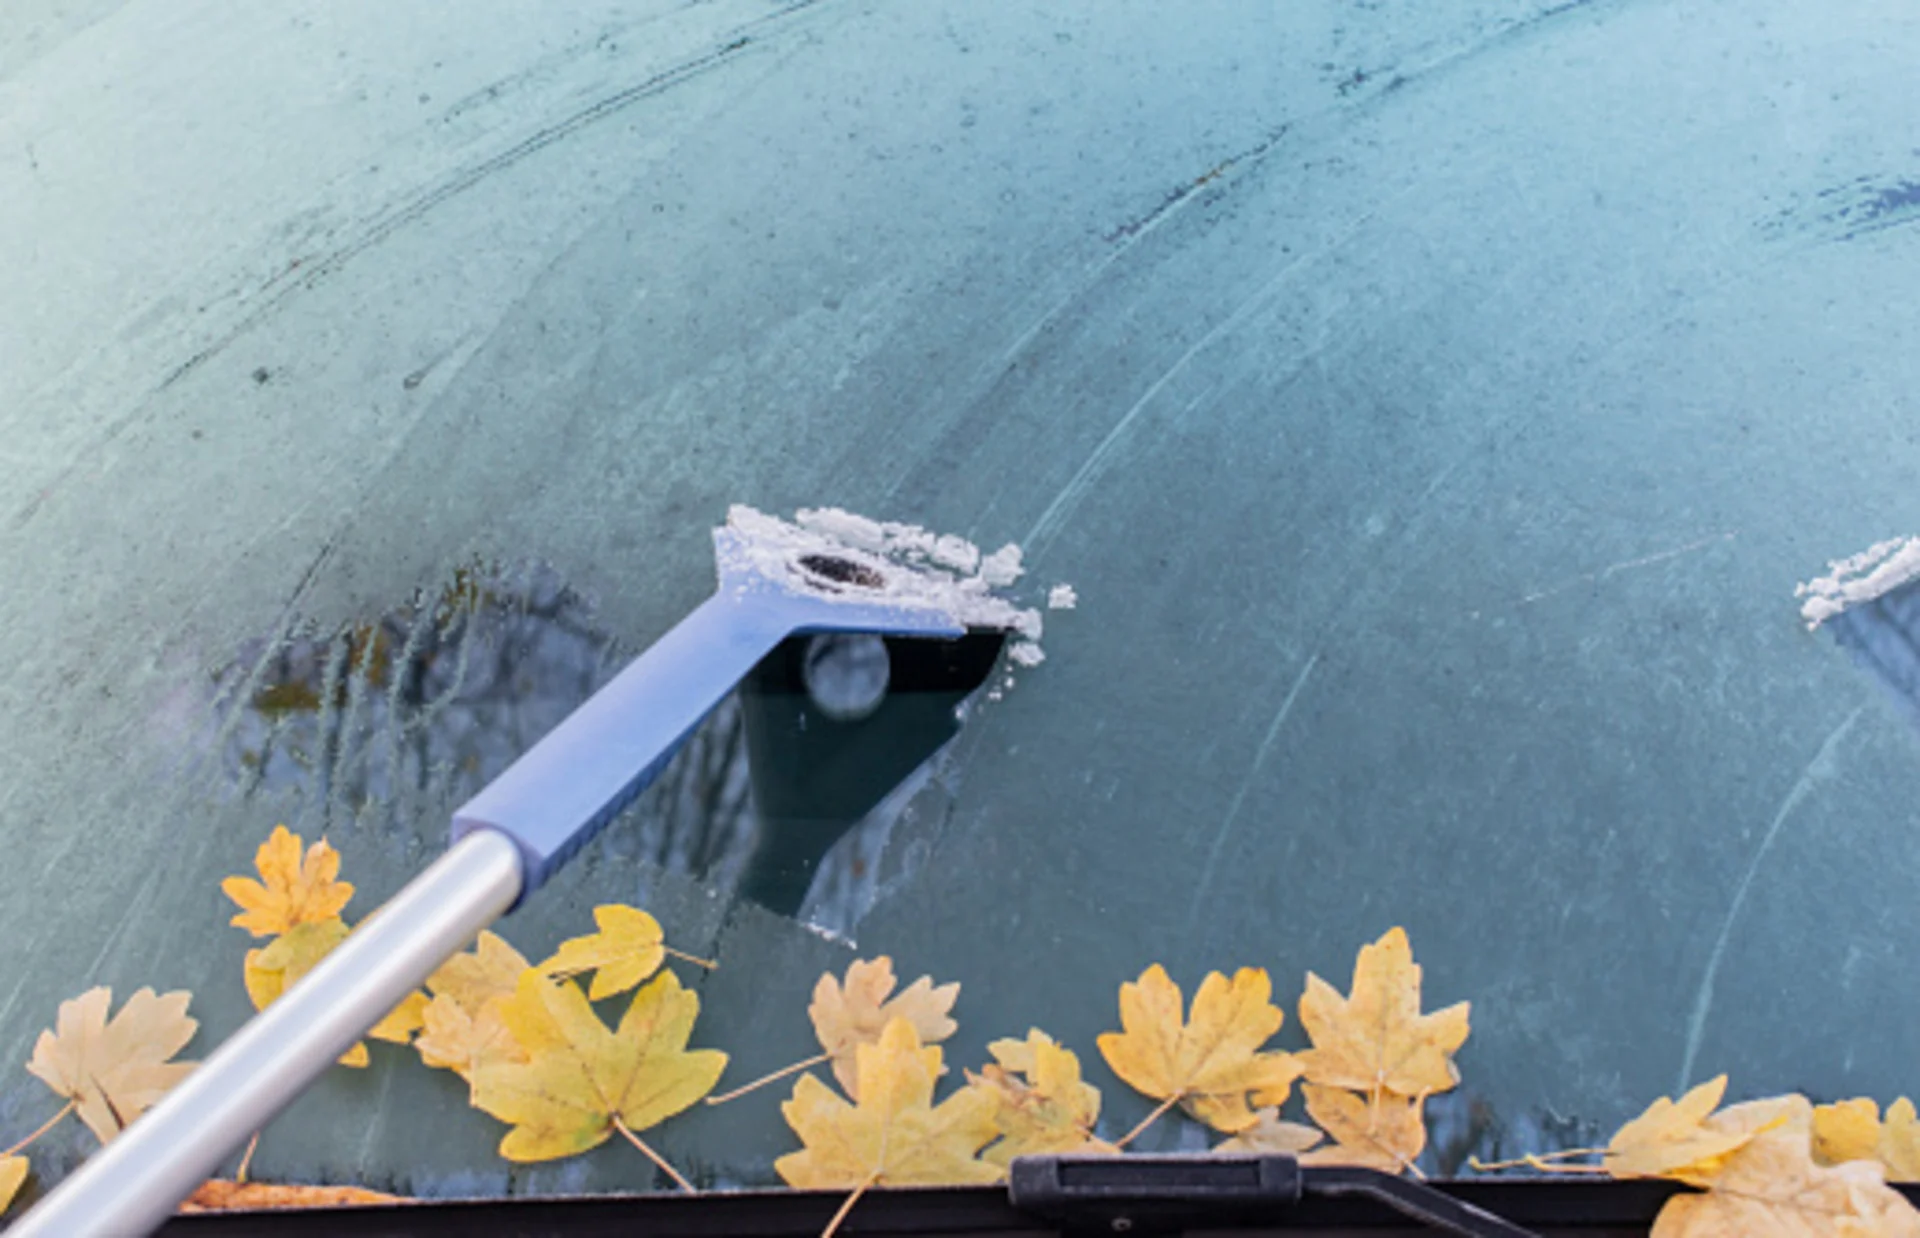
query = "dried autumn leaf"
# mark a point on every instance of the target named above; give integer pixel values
(1770, 1186)
(854, 1014)
(220, 1195)
(114, 1071)
(293, 889)
(1852, 1130)
(456, 1040)
(628, 948)
(472, 979)
(272, 969)
(1377, 1038)
(1042, 1105)
(894, 1135)
(1899, 1148)
(464, 1029)
(398, 1025)
(13, 1175)
(1847, 1130)
(1271, 1134)
(1383, 1132)
(1673, 1139)
(1209, 1064)
(583, 1081)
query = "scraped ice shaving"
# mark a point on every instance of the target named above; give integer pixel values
(1002, 567)
(944, 572)
(903, 543)
(1062, 597)
(1026, 653)
(825, 933)
(1873, 572)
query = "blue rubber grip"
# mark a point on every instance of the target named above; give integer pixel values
(579, 776)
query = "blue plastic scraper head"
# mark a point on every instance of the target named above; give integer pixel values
(776, 580)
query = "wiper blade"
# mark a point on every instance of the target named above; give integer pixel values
(1136, 1194)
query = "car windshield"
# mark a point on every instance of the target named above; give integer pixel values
(1413, 421)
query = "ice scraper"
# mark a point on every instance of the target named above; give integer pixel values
(830, 575)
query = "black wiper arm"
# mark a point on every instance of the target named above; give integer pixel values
(1146, 1194)
(1413, 1199)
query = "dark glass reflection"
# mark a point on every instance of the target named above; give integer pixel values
(820, 766)
(1884, 638)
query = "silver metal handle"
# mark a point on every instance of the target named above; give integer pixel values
(134, 1184)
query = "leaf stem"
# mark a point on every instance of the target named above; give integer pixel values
(1150, 1119)
(246, 1159)
(44, 1128)
(684, 957)
(763, 1080)
(846, 1205)
(653, 1156)
(1538, 1160)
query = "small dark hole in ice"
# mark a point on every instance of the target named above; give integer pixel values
(843, 571)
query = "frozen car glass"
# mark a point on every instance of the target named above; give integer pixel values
(1433, 411)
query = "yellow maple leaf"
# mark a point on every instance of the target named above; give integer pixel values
(221, 1195)
(1041, 1103)
(1674, 1139)
(1847, 1130)
(293, 889)
(454, 1039)
(1382, 1130)
(1770, 1187)
(583, 1081)
(473, 978)
(628, 948)
(1271, 1134)
(13, 1175)
(271, 969)
(1852, 1130)
(114, 1071)
(1211, 1064)
(463, 1027)
(398, 1025)
(1899, 1148)
(1377, 1038)
(854, 1014)
(894, 1135)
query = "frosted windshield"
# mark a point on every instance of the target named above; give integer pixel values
(1429, 411)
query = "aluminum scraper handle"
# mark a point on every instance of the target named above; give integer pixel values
(508, 840)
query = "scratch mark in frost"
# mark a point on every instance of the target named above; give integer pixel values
(1069, 496)
(1097, 463)
(1625, 565)
(1221, 835)
(13, 998)
(1818, 770)
(1131, 234)
(376, 1126)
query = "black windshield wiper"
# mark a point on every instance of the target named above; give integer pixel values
(1139, 1194)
